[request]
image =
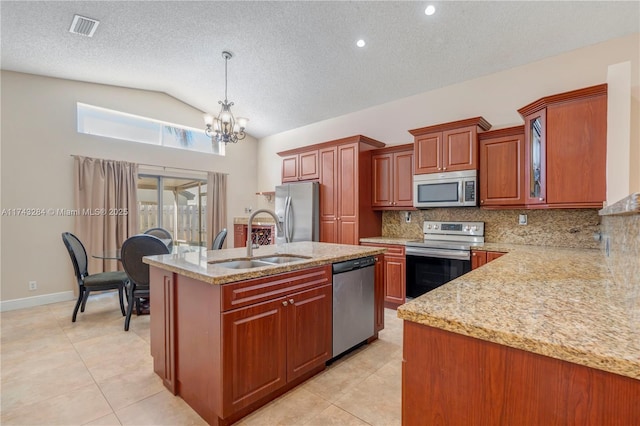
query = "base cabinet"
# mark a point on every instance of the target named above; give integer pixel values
(268, 345)
(229, 349)
(451, 379)
(480, 257)
(394, 265)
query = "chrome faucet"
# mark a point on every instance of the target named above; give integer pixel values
(249, 242)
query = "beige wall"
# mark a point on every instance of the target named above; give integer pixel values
(495, 97)
(38, 136)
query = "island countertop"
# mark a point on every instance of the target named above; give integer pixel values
(558, 302)
(198, 264)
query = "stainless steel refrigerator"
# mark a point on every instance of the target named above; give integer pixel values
(297, 208)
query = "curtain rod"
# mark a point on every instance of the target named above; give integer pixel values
(164, 168)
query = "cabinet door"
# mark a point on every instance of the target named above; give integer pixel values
(379, 292)
(403, 179)
(347, 194)
(162, 329)
(576, 151)
(459, 149)
(308, 166)
(290, 169)
(309, 330)
(478, 258)
(395, 279)
(493, 255)
(428, 153)
(502, 171)
(382, 165)
(535, 158)
(328, 195)
(254, 347)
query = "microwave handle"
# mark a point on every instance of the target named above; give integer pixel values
(460, 191)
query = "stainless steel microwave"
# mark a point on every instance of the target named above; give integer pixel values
(450, 189)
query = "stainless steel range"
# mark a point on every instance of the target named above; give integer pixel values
(443, 255)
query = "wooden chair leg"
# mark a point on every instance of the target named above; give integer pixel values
(80, 298)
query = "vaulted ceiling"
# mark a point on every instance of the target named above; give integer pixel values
(296, 63)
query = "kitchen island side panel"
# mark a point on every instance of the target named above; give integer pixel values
(448, 378)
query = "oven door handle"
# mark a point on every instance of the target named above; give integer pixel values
(442, 254)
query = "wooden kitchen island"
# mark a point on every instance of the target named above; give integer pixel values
(540, 336)
(230, 340)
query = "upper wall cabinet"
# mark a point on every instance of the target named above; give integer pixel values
(392, 178)
(502, 168)
(299, 165)
(448, 147)
(565, 149)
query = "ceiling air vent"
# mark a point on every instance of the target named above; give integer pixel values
(83, 26)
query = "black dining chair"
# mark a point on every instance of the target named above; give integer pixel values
(163, 234)
(87, 283)
(131, 254)
(218, 241)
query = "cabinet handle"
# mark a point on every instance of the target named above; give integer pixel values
(284, 303)
(541, 199)
(291, 301)
(390, 203)
(473, 254)
(481, 201)
(444, 168)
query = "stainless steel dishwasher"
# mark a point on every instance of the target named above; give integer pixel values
(353, 303)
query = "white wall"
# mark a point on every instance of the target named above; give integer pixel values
(496, 97)
(618, 132)
(38, 137)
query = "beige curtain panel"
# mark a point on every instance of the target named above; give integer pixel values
(106, 196)
(216, 205)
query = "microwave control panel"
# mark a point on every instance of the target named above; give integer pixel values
(469, 191)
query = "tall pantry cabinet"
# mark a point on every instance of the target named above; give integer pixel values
(345, 191)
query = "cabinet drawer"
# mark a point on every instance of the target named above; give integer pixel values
(392, 249)
(262, 289)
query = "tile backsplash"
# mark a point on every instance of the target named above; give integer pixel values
(546, 227)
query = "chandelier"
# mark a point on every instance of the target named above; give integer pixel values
(225, 128)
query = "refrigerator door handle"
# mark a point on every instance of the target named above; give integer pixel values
(289, 220)
(285, 227)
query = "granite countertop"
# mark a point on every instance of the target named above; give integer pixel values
(196, 264)
(558, 302)
(259, 220)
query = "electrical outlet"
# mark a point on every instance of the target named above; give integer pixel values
(522, 219)
(407, 217)
(33, 285)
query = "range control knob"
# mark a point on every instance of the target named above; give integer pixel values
(466, 228)
(474, 228)
(428, 226)
(435, 226)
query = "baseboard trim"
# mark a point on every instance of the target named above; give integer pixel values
(30, 302)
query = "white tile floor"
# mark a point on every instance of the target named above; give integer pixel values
(55, 372)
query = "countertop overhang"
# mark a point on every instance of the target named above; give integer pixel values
(558, 302)
(196, 264)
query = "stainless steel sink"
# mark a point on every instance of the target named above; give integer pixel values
(258, 262)
(242, 264)
(282, 258)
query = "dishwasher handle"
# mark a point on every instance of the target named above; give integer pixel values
(350, 265)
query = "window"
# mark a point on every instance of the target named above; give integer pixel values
(98, 121)
(176, 204)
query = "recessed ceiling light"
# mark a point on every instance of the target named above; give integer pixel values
(430, 10)
(360, 43)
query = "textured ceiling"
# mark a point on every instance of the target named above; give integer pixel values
(296, 63)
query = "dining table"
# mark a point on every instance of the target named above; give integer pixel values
(176, 249)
